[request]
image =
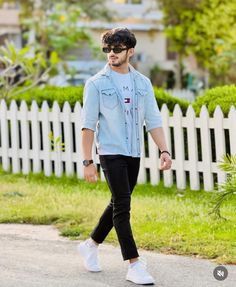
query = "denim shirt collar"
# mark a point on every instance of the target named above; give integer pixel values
(106, 71)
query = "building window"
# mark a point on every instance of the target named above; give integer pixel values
(128, 1)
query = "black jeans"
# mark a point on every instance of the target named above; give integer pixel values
(121, 174)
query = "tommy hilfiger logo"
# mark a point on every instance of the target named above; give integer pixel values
(127, 100)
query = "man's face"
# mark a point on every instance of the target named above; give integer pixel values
(119, 56)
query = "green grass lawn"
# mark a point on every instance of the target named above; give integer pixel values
(164, 219)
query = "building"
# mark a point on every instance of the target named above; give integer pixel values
(144, 18)
(9, 24)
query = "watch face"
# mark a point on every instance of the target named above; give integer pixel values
(87, 162)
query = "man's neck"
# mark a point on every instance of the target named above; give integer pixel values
(124, 69)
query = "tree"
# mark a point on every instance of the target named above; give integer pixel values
(204, 28)
(54, 23)
(55, 30)
(22, 69)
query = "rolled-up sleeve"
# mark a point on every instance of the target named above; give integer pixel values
(90, 109)
(152, 114)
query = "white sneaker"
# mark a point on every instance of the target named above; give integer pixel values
(89, 252)
(138, 274)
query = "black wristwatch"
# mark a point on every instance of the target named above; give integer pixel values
(165, 151)
(87, 162)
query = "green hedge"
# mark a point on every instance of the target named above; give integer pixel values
(224, 96)
(51, 94)
(164, 98)
(73, 94)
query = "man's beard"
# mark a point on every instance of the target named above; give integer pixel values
(121, 62)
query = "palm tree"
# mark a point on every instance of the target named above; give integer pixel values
(228, 188)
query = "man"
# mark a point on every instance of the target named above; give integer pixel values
(117, 102)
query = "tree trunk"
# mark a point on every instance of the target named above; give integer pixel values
(179, 72)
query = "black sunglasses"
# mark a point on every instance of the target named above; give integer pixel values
(116, 50)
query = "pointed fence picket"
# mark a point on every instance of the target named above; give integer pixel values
(78, 140)
(206, 149)
(168, 174)
(35, 127)
(196, 144)
(24, 124)
(47, 166)
(14, 135)
(68, 142)
(179, 148)
(220, 144)
(232, 129)
(190, 122)
(4, 137)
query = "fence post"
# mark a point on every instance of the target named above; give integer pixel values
(142, 170)
(179, 147)
(68, 138)
(13, 113)
(168, 174)
(56, 123)
(35, 137)
(206, 149)
(25, 137)
(46, 139)
(4, 136)
(78, 139)
(153, 161)
(232, 130)
(220, 141)
(192, 149)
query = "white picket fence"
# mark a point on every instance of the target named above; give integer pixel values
(197, 144)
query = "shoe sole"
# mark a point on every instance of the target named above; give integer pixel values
(145, 284)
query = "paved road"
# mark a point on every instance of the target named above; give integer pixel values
(33, 256)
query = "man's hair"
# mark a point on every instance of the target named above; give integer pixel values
(119, 36)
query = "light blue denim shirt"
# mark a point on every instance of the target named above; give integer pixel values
(103, 112)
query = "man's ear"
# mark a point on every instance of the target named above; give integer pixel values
(131, 52)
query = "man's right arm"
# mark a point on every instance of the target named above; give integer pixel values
(90, 172)
(90, 119)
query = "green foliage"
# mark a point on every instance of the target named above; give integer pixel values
(228, 188)
(224, 96)
(55, 23)
(51, 94)
(22, 69)
(164, 98)
(51, 28)
(199, 27)
(56, 143)
(74, 94)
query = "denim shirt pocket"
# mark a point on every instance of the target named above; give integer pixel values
(141, 93)
(109, 98)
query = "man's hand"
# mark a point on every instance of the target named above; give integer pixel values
(165, 161)
(90, 173)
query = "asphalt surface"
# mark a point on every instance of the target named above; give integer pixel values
(33, 256)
